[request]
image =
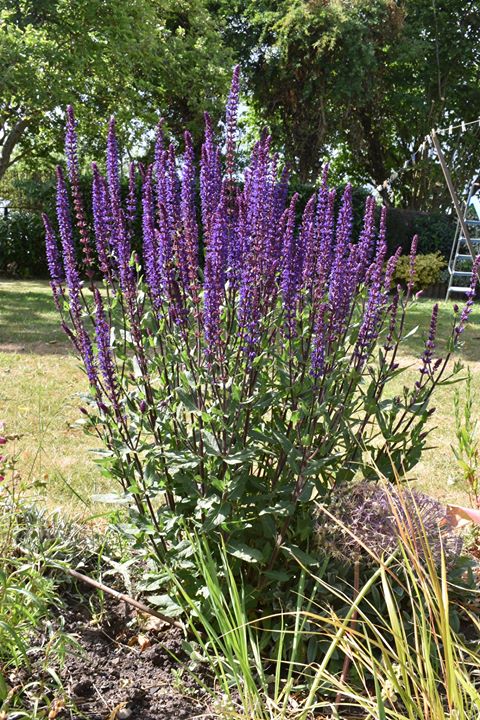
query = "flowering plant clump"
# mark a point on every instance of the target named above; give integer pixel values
(239, 365)
(370, 518)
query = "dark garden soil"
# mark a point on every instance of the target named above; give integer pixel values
(122, 668)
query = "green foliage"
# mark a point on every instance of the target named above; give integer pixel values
(396, 634)
(29, 598)
(242, 464)
(370, 77)
(22, 251)
(428, 270)
(127, 58)
(467, 450)
(435, 231)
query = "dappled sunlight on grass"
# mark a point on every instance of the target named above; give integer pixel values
(40, 380)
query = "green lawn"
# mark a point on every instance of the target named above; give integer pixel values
(40, 380)
(39, 384)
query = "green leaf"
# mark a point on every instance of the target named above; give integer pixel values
(243, 552)
(166, 603)
(299, 554)
(240, 457)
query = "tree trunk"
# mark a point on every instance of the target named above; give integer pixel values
(8, 145)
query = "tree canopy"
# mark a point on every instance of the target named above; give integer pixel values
(132, 58)
(361, 81)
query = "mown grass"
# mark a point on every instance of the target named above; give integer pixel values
(40, 380)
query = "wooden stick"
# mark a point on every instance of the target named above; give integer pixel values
(126, 598)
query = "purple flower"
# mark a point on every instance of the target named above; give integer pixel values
(188, 241)
(468, 307)
(231, 121)
(430, 343)
(392, 312)
(309, 233)
(291, 274)
(214, 279)
(119, 235)
(54, 260)
(113, 172)
(210, 177)
(319, 339)
(367, 239)
(66, 235)
(150, 252)
(74, 176)
(327, 235)
(341, 272)
(105, 358)
(101, 221)
(413, 257)
(132, 196)
(391, 265)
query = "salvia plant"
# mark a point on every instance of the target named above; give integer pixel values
(240, 362)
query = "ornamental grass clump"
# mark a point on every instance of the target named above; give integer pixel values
(239, 359)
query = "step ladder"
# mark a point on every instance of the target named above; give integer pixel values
(460, 263)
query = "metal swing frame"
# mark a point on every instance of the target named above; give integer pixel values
(466, 243)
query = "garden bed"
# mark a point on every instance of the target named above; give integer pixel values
(117, 667)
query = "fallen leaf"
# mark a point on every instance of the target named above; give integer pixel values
(56, 707)
(142, 640)
(458, 516)
(114, 714)
(154, 623)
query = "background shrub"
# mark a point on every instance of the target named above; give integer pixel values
(22, 233)
(428, 270)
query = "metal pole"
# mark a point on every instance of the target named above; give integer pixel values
(453, 194)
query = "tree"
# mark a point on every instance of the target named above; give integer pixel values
(362, 81)
(132, 58)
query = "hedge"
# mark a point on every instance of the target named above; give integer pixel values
(22, 237)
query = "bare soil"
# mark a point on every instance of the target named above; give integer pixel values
(121, 669)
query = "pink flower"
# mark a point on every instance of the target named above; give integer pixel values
(3, 440)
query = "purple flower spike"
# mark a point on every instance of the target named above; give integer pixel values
(101, 221)
(105, 358)
(291, 268)
(119, 234)
(340, 279)
(391, 265)
(54, 260)
(113, 172)
(413, 257)
(468, 307)
(74, 177)
(188, 244)
(215, 279)
(132, 196)
(430, 343)
(150, 254)
(319, 340)
(309, 241)
(231, 122)
(66, 235)
(210, 177)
